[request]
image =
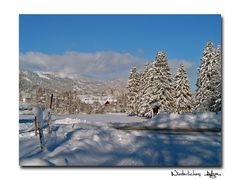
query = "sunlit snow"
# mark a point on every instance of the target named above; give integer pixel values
(79, 141)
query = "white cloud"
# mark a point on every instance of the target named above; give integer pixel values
(101, 64)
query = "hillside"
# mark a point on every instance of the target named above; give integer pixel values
(68, 82)
(71, 92)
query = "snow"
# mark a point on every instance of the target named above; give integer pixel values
(42, 75)
(81, 142)
(36, 162)
(40, 114)
(37, 111)
(187, 121)
(69, 121)
(27, 79)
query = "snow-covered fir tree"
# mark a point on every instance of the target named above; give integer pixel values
(203, 82)
(162, 91)
(182, 91)
(145, 90)
(216, 101)
(133, 91)
(209, 80)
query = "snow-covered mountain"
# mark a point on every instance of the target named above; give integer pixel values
(60, 82)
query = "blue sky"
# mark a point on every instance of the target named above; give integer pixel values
(121, 40)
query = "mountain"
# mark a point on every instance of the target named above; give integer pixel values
(60, 82)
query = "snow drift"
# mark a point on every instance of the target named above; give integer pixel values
(76, 142)
(206, 121)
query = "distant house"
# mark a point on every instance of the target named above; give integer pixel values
(107, 103)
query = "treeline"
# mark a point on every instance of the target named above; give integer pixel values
(155, 86)
(68, 102)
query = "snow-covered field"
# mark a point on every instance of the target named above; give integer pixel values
(93, 140)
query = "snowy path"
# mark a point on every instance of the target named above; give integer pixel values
(76, 142)
(92, 118)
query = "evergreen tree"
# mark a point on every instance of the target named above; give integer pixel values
(182, 91)
(145, 93)
(216, 82)
(137, 93)
(209, 80)
(133, 89)
(162, 91)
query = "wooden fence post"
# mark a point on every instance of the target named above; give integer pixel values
(35, 125)
(49, 122)
(49, 115)
(50, 106)
(41, 137)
